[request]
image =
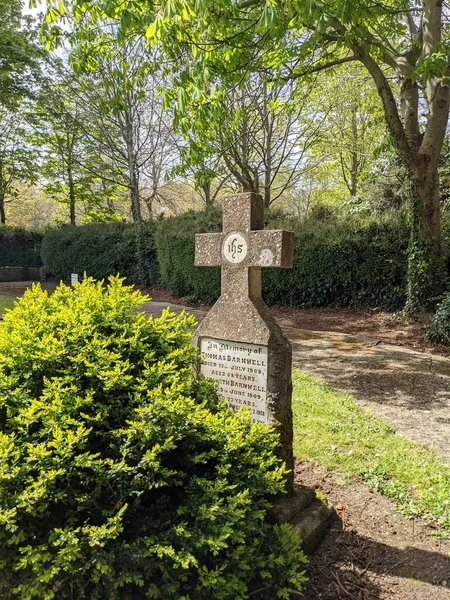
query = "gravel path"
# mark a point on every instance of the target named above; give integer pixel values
(407, 388)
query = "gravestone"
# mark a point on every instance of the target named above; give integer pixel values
(240, 342)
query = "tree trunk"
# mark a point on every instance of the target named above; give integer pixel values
(2, 209)
(269, 121)
(133, 183)
(133, 175)
(207, 191)
(142, 270)
(109, 201)
(71, 194)
(426, 268)
(149, 205)
(426, 278)
(135, 204)
(268, 166)
(354, 152)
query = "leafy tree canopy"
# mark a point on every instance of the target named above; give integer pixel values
(218, 41)
(19, 54)
(209, 46)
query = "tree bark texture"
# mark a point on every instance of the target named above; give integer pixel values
(207, 191)
(2, 209)
(71, 193)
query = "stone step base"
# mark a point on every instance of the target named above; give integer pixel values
(314, 523)
(303, 509)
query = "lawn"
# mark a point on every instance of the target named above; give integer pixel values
(332, 430)
(6, 302)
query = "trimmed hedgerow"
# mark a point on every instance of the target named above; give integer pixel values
(175, 247)
(99, 250)
(19, 247)
(343, 262)
(337, 262)
(123, 476)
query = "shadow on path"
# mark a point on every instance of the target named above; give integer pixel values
(353, 566)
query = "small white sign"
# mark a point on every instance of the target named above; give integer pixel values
(73, 278)
(242, 373)
(235, 248)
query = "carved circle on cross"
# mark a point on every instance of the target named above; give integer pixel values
(235, 248)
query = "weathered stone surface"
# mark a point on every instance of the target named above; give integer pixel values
(240, 319)
(253, 249)
(287, 509)
(313, 524)
(304, 510)
(242, 372)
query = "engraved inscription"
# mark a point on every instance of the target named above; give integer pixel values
(242, 373)
(235, 248)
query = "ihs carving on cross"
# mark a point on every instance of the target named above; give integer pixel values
(243, 247)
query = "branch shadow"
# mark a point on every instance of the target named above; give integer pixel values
(349, 566)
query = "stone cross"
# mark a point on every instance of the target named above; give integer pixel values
(240, 342)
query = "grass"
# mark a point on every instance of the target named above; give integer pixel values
(6, 302)
(332, 430)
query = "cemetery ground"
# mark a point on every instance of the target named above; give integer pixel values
(392, 495)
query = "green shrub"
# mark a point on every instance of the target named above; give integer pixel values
(438, 330)
(19, 247)
(337, 261)
(123, 476)
(99, 250)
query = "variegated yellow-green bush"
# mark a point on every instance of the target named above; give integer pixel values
(121, 474)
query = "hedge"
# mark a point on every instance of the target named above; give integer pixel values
(351, 261)
(99, 250)
(348, 262)
(19, 247)
(337, 262)
(174, 239)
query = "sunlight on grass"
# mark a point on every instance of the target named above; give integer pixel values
(6, 302)
(332, 430)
